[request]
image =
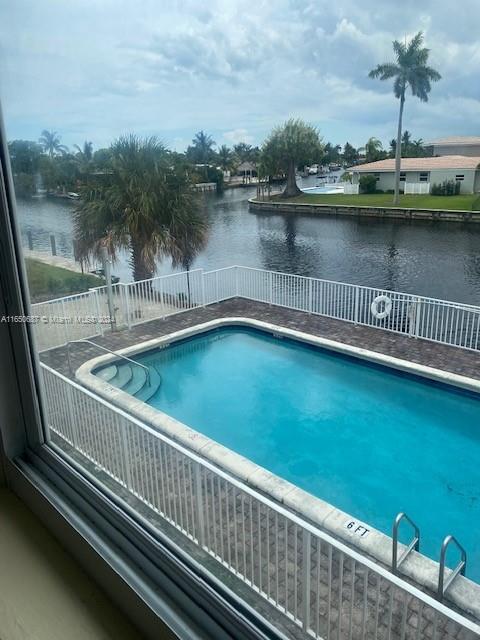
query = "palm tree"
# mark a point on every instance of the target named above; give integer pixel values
(418, 148)
(225, 157)
(203, 145)
(373, 149)
(142, 203)
(410, 69)
(50, 141)
(84, 156)
(86, 153)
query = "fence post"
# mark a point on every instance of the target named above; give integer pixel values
(270, 287)
(306, 571)
(94, 293)
(310, 295)
(357, 302)
(203, 288)
(64, 313)
(199, 504)
(125, 456)
(236, 281)
(418, 308)
(71, 415)
(126, 293)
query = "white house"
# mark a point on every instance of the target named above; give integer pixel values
(455, 146)
(459, 168)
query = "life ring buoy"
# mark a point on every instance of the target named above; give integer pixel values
(387, 308)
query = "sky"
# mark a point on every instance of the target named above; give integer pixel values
(97, 69)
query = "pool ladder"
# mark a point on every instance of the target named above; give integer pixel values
(414, 544)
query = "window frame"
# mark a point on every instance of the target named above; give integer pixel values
(145, 566)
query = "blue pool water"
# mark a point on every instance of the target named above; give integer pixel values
(367, 439)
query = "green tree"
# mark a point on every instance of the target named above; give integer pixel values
(201, 150)
(373, 150)
(84, 157)
(350, 154)
(288, 146)
(410, 69)
(245, 152)
(225, 158)
(406, 143)
(418, 148)
(393, 147)
(144, 204)
(50, 142)
(331, 153)
(24, 156)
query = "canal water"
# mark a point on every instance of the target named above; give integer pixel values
(438, 259)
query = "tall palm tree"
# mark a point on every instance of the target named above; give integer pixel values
(141, 203)
(50, 141)
(410, 69)
(203, 145)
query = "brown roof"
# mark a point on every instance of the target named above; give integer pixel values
(419, 164)
(467, 140)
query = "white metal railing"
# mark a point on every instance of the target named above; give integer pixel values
(136, 302)
(326, 588)
(417, 188)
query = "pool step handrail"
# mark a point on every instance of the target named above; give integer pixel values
(459, 569)
(115, 353)
(414, 544)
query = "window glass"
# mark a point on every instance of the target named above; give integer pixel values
(162, 156)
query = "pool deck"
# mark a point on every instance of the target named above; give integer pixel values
(446, 358)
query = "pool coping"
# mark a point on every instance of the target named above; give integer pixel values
(464, 593)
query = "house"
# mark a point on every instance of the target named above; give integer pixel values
(455, 146)
(459, 168)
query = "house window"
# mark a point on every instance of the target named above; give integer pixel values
(460, 177)
(403, 176)
(424, 176)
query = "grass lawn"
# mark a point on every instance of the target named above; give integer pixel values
(46, 281)
(467, 202)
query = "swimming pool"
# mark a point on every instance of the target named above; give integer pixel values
(368, 439)
(325, 188)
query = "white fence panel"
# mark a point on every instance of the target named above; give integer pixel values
(137, 302)
(326, 588)
(220, 284)
(162, 296)
(417, 188)
(351, 189)
(65, 319)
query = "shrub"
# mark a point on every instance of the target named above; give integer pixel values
(368, 183)
(346, 177)
(446, 188)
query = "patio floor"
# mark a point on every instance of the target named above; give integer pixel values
(447, 358)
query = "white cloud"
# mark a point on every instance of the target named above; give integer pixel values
(94, 69)
(238, 135)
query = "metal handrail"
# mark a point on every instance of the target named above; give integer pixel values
(459, 569)
(414, 544)
(115, 353)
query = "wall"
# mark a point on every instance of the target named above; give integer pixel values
(468, 185)
(471, 150)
